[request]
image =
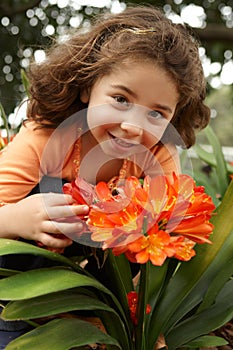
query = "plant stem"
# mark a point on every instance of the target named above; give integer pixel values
(5, 122)
(140, 341)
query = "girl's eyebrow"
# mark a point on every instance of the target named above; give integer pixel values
(124, 88)
(163, 107)
(130, 92)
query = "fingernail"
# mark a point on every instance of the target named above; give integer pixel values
(85, 207)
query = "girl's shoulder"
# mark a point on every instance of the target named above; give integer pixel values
(32, 129)
(29, 139)
(30, 133)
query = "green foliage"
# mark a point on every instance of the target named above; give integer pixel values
(66, 337)
(5, 121)
(220, 102)
(218, 179)
(188, 300)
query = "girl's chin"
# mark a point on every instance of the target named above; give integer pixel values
(122, 154)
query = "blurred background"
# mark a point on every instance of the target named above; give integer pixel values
(28, 26)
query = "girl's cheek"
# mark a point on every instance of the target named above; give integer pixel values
(153, 133)
(99, 116)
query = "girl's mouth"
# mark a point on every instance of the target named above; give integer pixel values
(121, 142)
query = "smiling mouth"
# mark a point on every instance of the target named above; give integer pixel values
(121, 142)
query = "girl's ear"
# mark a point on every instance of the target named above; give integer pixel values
(84, 96)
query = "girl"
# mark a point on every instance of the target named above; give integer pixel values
(105, 104)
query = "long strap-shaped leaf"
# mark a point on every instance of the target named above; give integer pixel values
(204, 322)
(207, 341)
(222, 173)
(5, 121)
(221, 278)
(42, 281)
(52, 304)
(209, 158)
(34, 283)
(62, 334)
(9, 246)
(63, 302)
(117, 271)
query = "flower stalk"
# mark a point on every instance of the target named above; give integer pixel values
(140, 341)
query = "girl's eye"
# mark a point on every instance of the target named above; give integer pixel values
(121, 100)
(155, 115)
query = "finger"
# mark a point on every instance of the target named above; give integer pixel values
(61, 227)
(65, 211)
(53, 241)
(51, 199)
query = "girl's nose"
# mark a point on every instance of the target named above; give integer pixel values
(131, 129)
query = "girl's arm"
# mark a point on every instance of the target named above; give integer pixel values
(20, 169)
(40, 217)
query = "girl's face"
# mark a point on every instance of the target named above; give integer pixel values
(130, 108)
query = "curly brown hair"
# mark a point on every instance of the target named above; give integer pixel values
(138, 33)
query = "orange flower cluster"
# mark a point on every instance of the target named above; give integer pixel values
(149, 221)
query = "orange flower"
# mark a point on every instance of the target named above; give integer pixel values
(81, 191)
(151, 221)
(183, 248)
(155, 246)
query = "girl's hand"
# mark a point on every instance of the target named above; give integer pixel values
(43, 218)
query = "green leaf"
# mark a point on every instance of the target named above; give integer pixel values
(117, 270)
(206, 341)
(5, 122)
(25, 81)
(62, 334)
(10, 246)
(204, 322)
(117, 330)
(141, 307)
(209, 158)
(121, 267)
(195, 295)
(156, 277)
(7, 272)
(219, 160)
(51, 304)
(38, 282)
(66, 301)
(221, 278)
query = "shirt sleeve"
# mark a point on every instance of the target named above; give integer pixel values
(20, 167)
